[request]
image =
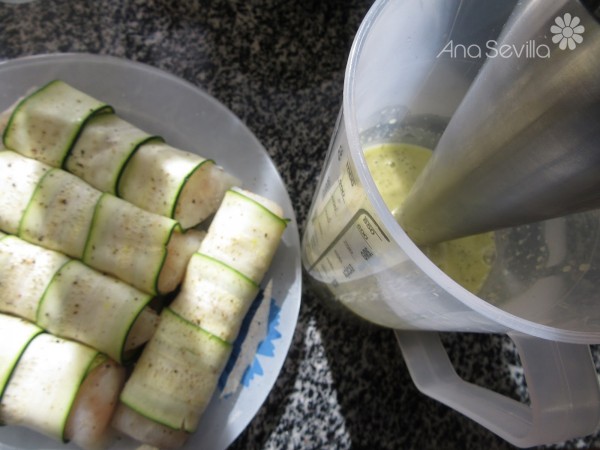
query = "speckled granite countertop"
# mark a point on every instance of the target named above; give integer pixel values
(279, 66)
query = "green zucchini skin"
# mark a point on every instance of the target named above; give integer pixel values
(15, 336)
(67, 298)
(175, 377)
(66, 128)
(107, 233)
(60, 388)
(44, 384)
(59, 214)
(215, 297)
(128, 242)
(26, 270)
(19, 177)
(46, 124)
(87, 306)
(173, 183)
(103, 149)
(244, 234)
(178, 371)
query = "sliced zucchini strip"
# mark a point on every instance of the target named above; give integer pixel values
(19, 177)
(46, 124)
(244, 234)
(60, 213)
(66, 128)
(90, 307)
(128, 242)
(110, 234)
(174, 183)
(26, 270)
(102, 150)
(72, 300)
(177, 373)
(179, 368)
(44, 384)
(215, 297)
(15, 335)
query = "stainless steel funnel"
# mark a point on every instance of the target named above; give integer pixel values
(524, 145)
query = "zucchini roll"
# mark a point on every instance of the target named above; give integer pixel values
(65, 214)
(60, 388)
(178, 371)
(68, 129)
(103, 148)
(45, 124)
(174, 183)
(71, 300)
(16, 334)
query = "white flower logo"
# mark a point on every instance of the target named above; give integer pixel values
(567, 31)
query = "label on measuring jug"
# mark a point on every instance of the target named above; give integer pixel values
(355, 253)
(343, 240)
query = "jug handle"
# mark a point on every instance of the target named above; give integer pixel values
(561, 379)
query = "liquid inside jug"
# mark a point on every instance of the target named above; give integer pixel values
(544, 278)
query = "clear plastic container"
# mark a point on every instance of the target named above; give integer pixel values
(400, 86)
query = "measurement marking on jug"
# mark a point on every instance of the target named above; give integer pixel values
(314, 241)
(366, 226)
(351, 176)
(334, 204)
(348, 247)
(337, 255)
(368, 233)
(342, 191)
(362, 232)
(327, 216)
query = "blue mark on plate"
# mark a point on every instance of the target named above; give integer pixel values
(265, 348)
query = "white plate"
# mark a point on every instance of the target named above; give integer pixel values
(191, 120)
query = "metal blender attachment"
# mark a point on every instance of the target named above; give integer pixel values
(524, 144)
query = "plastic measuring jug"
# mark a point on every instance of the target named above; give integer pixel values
(410, 66)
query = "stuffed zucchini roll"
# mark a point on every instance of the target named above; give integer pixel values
(16, 334)
(46, 124)
(68, 129)
(59, 214)
(72, 300)
(103, 149)
(26, 271)
(178, 371)
(65, 214)
(174, 183)
(60, 388)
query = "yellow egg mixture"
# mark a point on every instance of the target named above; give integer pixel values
(395, 168)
